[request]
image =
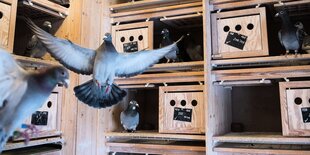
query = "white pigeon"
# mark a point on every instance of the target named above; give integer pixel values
(23, 92)
(105, 63)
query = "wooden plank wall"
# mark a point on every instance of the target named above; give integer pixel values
(83, 127)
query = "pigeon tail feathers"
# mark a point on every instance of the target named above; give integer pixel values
(90, 94)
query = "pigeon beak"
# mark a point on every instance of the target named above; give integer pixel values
(277, 15)
(66, 83)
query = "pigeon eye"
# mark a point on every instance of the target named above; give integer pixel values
(62, 73)
(281, 12)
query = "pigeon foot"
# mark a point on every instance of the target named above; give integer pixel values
(30, 130)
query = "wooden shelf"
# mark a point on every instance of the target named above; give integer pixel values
(145, 3)
(42, 8)
(18, 145)
(182, 9)
(260, 137)
(262, 73)
(231, 4)
(34, 62)
(260, 61)
(179, 66)
(41, 134)
(263, 149)
(167, 73)
(154, 135)
(156, 147)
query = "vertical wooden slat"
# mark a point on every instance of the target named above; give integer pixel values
(70, 29)
(87, 117)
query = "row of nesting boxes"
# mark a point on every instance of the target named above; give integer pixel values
(235, 34)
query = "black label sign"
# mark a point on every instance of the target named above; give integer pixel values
(130, 47)
(236, 40)
(184, 115)
(306, 114)
(39, 118)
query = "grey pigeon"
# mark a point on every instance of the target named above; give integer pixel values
(104, 63)
(194, 50)
(23, 92)
(130, 116)
(172, 55)
(35, 48)
(289, 35)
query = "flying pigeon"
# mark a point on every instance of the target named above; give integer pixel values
(193, 49)
(23, 92)
(173, 54)
(35, 48)
(104, 63)
(130, 116)
(290, 36)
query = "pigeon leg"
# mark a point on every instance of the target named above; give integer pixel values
(168, 60)
(287, 53)
(296, 52)
(24, 134)
(32, 128)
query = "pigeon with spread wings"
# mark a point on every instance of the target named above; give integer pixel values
(23, 92)
(105, 63)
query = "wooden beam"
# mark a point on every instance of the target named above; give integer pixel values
(144, 11)
(238, 4)
(153, 135)
(263, 149)
(157, 14)
(162, 78)
(139, 4)
(260, 137)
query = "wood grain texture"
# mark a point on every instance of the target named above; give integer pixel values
(292, 123)
(267, 149)
(260, 137)
(144, 29)
(70, 29)
(5, 20)
(257, 40)
(167, 124)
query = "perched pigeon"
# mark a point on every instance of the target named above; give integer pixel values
(306, 37)
(289, 35)
(193, 49)
(35, 48)
(23, 92)
(105, 63)
(130, 116)
(172, 55)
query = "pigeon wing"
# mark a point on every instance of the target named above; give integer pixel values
(76, 58)
(131, 64)
(13, 86)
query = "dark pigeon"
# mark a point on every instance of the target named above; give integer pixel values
(35, 48)
(130, 116)
(289, 35)
(193, 49)
(173, 54)
(104, 63)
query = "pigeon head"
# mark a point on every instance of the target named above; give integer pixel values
(59, 74)
(282, 13)
(133, 105)
(165, 32)
(107, 37)
(47, 24)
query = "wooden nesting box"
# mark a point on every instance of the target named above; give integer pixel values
(5, 13)
(241, 33)
(295, 108)
(133, 37)
(181, 109)
(47, 118)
